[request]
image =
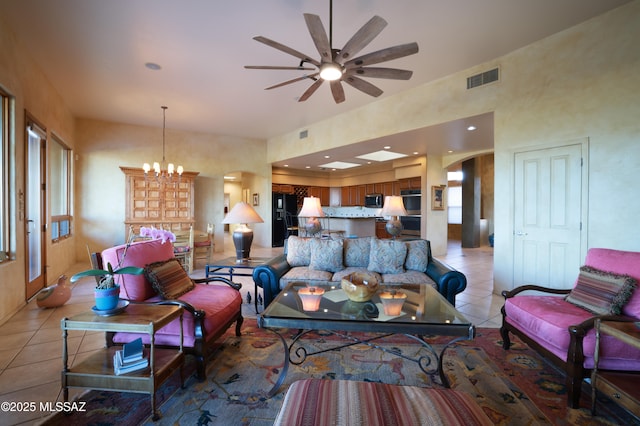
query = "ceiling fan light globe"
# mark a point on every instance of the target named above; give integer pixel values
(330, 72)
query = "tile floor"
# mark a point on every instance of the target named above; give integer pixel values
(30, 341)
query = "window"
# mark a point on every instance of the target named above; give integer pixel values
(60, 189)
(6, 163)
(454, 197)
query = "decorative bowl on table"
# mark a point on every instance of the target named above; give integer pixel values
(360, 286)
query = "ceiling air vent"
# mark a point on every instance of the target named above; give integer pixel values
(482, 78)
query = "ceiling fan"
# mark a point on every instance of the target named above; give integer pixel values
(340, 65)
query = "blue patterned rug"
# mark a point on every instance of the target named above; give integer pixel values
(512, 387)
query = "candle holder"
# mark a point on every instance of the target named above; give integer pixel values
(392, 302)
(311, 297)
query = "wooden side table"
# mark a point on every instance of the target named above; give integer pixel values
(97, 371)
(621, 387)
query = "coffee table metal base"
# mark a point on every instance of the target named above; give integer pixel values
(300, 354)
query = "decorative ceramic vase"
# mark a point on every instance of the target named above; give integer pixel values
(54, 296)
(360, 286)
(108, 298)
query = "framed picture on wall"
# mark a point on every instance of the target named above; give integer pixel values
(256, 199)
(437, 197)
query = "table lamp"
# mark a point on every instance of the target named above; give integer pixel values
(242, 213)
(312, 210)
(393, 207)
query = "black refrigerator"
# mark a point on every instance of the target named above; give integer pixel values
(284, 215)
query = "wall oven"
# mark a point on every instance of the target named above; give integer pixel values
(412, 199)
(410, 226)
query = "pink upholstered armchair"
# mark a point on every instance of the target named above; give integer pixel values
(564, 332)
(209, 309)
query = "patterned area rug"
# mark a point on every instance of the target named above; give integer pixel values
(515, 387)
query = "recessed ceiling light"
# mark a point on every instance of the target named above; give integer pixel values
(327, 156)
(229, 177)
(415, 152)
(153, 66)
(286, 165)
(470, 128)
(307, 167)
(381, 156)
(449, 151)
(387, 147)
(339, 165)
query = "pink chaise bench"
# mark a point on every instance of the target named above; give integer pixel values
(564, 332)
(209, 309)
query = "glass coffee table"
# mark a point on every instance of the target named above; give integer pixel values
(424, 313)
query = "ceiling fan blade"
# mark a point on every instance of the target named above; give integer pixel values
(269, 67)
(319, 36)
(286, 49)
(373, 72)
(383, 55)
(337, 91)
(310, 90)
(362, 85)
(362, 38)
(284, 83)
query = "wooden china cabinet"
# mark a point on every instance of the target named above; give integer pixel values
(163, 203)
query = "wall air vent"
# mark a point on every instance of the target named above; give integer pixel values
(304, 134)
(482, 78)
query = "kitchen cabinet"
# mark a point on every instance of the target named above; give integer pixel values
(321, 192)
(282, 188)
(410, 183)
(381, 231)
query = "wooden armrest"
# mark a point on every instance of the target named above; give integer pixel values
(589, 323)
(510, 293)
(197, 313)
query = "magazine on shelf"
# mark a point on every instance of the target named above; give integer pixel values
(122, 367)
(133, 350)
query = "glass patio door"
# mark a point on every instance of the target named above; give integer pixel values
(34, 220)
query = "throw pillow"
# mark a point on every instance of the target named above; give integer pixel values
(326, 255)
(601, 292)
(356, 251)
(298, 251)
(387, 256)
(417, 255)
(168, 278)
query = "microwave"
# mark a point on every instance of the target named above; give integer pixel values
(373, 201)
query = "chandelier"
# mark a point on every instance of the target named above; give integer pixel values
(158, 168)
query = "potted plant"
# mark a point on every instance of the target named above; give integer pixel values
(107, 291)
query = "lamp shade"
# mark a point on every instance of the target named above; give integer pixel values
(242, 213)
(311, 208)
(393, 206)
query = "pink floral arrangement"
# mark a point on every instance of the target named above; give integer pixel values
(157, 234)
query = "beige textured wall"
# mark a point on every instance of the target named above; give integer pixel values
(21, 78)
(100, 184)
(580, 83)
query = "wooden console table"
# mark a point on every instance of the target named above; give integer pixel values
(97, 371)
(621, 387)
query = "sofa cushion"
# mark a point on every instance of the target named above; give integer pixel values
(417, 255)
(168, 278)
(326, 255)
(304, 273)
(546, 319)
(408, 277)
(356, 252)
(601, 292)
(218, 302)
(387, 256)
(298, 251)
(321, 402)
(136, 287)
(338, 276)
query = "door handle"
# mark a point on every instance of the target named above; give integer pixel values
(521, 234)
